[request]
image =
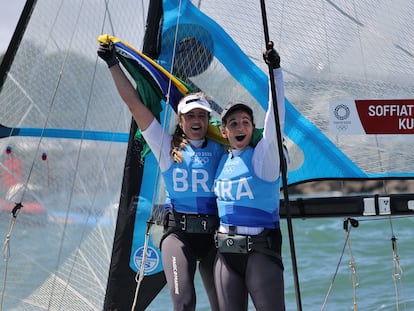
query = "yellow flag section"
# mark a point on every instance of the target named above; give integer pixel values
(107, 38)
(213, 131)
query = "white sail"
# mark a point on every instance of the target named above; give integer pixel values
(59, 255)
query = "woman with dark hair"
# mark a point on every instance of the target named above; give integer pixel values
(188, 162)
(247, 187)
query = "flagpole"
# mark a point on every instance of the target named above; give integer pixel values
(282, 164)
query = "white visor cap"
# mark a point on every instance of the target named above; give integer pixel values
(191, 102)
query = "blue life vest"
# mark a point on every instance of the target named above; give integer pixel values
(243, 199)
(190, 183)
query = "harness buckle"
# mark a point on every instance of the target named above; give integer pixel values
(227, 243)
(249, 243)
(183, 222)
(193, 223)
(204, 224)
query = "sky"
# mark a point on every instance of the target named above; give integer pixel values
(10, 11)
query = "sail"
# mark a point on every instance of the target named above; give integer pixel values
(70, 157)
(67, 127)
(213, 54)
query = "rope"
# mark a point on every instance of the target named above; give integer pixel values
(354, 275)
(141, 273)
(19, 205)
(78, 153)
(325, 301)
(107, 160)
(397, 271)
(6, 250)
(354, 223)
(282, 161)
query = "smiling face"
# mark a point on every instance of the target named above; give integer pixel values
(238, 129)
(195, 123)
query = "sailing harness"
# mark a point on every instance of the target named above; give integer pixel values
(269, 242)
(190, 223)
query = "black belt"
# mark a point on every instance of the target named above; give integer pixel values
(192, 223)
(244, 244)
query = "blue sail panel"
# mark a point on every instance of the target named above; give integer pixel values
(255, 81)
(153, 262)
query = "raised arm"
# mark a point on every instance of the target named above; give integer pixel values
(266, 160)
(142, 115)
(272, 58)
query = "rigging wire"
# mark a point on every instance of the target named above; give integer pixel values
(62, 70)
(44, 157)
(6, 250)
(397, 271)
(352, 265)
(105, 161)
(141, 273)
(18, 206)
(108, 13)
(354, 275)
(283, 164)
(4, 68)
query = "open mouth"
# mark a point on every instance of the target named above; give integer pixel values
(240, 137)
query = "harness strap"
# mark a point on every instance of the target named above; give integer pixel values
(244, 244)
(191, 223)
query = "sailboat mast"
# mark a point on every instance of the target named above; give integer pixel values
(282, 164)
(15, 40)
(121, 280)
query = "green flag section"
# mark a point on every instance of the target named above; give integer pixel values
(155, 84)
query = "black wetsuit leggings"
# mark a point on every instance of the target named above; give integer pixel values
(180, 253)
(255, 273)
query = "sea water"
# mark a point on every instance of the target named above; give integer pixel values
(323, 257)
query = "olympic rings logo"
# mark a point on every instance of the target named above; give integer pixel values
(228, 169)
(342, 112)
(200, 160)
(342, 127)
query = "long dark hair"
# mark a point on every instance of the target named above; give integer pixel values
(178, 144)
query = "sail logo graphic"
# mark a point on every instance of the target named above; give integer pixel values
(372, 116)
(342, 113)
(387, 116)
(344, 118)
(151, 261)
